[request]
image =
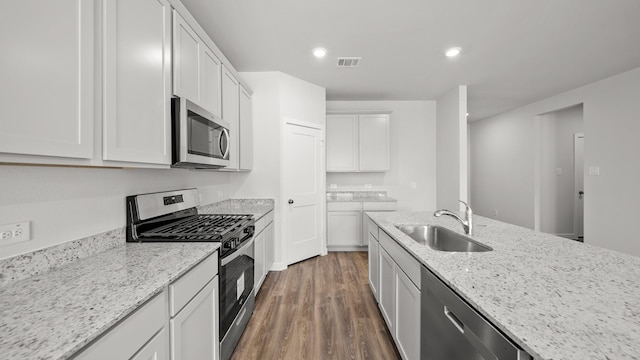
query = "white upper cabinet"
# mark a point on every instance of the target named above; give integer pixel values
(230, 114)
(196, 69)
(137, 81)
(342, 143)
(373, 144)
(357, 142)
(47, 86)
(186, 59)
(210, 84)
(246, 130)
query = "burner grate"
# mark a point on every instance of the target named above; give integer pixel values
(199, 227)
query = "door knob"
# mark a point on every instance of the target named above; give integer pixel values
(290, 201)
(580, 194)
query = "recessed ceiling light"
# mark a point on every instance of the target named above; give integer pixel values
(319, 52)
(453, 52)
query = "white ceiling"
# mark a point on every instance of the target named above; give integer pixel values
(514, 51)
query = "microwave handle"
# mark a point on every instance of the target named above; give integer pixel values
(225, 152)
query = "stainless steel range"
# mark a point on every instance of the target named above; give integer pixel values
(173, 216)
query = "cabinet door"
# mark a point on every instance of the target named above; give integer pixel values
(344, 228)
(47, 81)
(342, 143)
(407, 329)
(210, 80)
(194, 330)
(270, 247)
(387, 290)
(246, 130)
(373, 142)
(137, 81)
(230, 114)
(259, 272)
(156, 348)
(186, 53)
(374, 265)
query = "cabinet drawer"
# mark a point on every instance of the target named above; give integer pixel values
(186, 287)
(269, 217)
(379, 206)
(403, 259)
(260, 225)
(125, 339)
(372, 227)
(344, 206)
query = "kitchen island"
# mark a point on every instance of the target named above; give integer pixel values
(556, 298)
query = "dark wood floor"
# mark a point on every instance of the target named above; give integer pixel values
(321, 308)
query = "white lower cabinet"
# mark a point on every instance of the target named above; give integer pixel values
(344, 229)
(374, 265)
(194, 330)
(155, 349)
(395, 285)
(264, 247)
(142, 335)
(407, 332)
(387, 297)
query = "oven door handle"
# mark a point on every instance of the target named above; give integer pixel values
(237, 253)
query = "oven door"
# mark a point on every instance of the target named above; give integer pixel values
(236, 283)
(200, 140)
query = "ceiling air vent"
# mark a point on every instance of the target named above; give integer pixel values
(348, 62)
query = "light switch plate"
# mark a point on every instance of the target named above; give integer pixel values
(367, 186)
(333, 186)
(594, 171)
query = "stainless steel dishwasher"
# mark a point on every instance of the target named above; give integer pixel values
(451, 329)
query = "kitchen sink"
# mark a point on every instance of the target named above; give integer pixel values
(439, 238)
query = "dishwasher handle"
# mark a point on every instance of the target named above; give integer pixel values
(454, 319)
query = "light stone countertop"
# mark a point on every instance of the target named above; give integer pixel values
(359, 196)
(556, 298)
(57, 313)
(256, 207)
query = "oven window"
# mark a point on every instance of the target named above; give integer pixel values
(204, 137)
(236, 284)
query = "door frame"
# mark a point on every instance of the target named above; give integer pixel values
(576, 232)
(287, 121)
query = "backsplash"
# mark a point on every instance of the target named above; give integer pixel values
(40, 261)
(350, 195)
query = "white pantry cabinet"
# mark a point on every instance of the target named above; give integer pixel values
(47, 86)
(357, 142)
(137, 81)
(196, 69)
(246, 130)
(230, 114)
(264, 247)
(142, 335)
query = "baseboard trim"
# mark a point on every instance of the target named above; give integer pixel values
(278, 267)
(347, 248)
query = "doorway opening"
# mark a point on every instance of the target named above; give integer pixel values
(559, 173)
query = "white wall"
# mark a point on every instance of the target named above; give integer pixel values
(502, 162)
(557, 192)
(412, 154)
(276, 97)
(451, 148)
(65, 203)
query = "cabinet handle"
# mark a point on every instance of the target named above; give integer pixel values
(454, 320)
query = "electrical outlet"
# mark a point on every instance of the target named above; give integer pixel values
(334, 186)
(413, 185)
(15, 233)
(220, 193)
(367, 186)
(495, 212)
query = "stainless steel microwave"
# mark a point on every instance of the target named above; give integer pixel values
(200, 141)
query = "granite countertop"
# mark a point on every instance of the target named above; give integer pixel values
(256, 207)
(359, 196)
(55, 314)
(556, 298)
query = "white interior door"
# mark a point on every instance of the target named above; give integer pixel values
(302, 191)
(578, 173)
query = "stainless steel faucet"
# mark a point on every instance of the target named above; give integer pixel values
(467, 222)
